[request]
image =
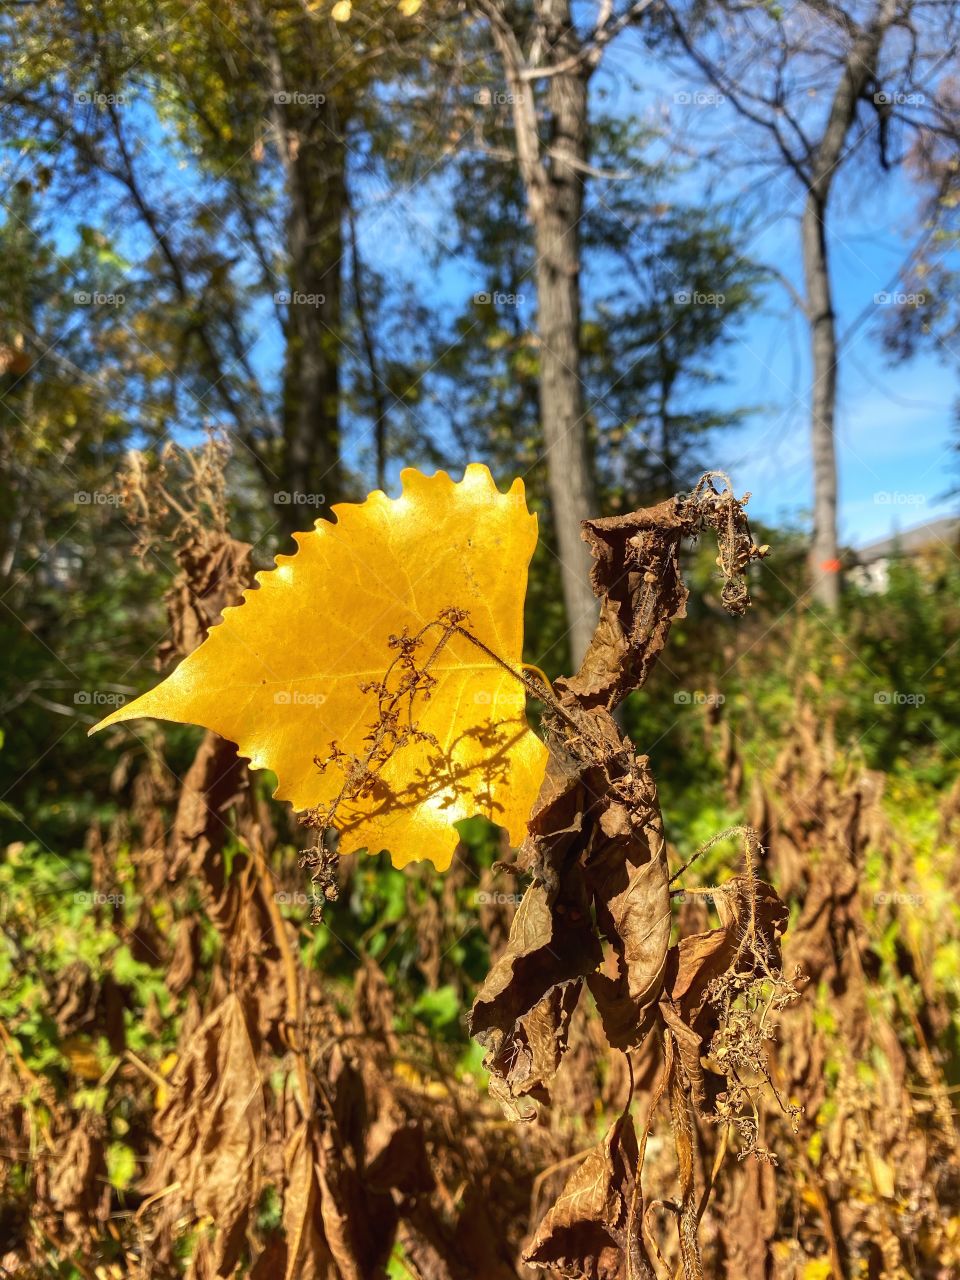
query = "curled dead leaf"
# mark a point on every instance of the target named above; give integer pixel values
(584, 1234)
(213, 1124)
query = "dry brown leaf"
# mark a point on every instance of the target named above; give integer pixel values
(214, 1125)
(78, 1185)
(628, 875)
(636, 574)
(584, 1233)
(308, 1255)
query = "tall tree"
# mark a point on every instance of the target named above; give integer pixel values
(218, 143)
(646, 343)
(821, 82)
(547, 65)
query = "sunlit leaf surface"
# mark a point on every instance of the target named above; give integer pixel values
(281, 675)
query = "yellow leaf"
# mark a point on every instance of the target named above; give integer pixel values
(409, 7)
(280, 675)
(882, 1175)
(817, 1269)
(83, 1058)
(341, 11)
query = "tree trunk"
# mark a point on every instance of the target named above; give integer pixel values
(310, 465)
(825, 551)
(859, 72)
(555, 205)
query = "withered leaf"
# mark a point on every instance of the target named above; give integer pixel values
(699, 959)
(636, 574)
(214, 1123)
(369, 1157)
(394, 1154)
(583, 1233)
(185, 960)
(749, 1225)
(78, 1182)
(308, 1255)
(213, 572)
(551, 944)
(527, 1059)
(551, 938)
(628, 875)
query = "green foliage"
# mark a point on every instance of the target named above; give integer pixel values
(52, 919)
(879, 675)
(382, 912)
(676, 282)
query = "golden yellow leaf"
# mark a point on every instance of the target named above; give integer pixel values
(341, 11)
(82, 1055)
(817, 1269)
(409, 7)
(280, 675)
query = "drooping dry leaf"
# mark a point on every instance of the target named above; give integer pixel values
(522, 1010)
(308, 1254)
(214, 1125)
(78, 1184)
(628, 877)
(636, 574)
(212, 789)
(213, 574)
(367, 1155)
(637, 577)
(749, 1224)
(700, 957)
(584, 1232)
(523, 1062)
(280, 675)
(596, 839)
